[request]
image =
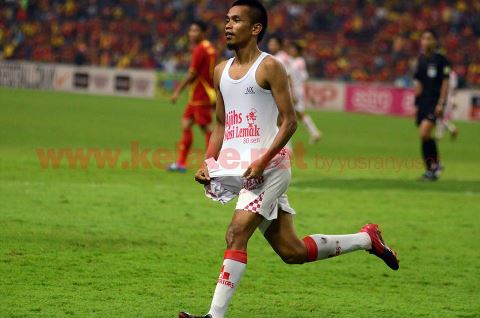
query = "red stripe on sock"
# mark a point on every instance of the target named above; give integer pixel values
(236, 255)
(312, 249)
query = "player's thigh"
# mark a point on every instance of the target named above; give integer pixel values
(300, 106)
(243, 225)
(187, 123)
(282, 237)
(425, 128)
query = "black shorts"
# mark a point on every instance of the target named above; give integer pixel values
(426, 111)
(425, 115)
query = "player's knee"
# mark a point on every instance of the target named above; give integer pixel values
(186, 124)
(424, 136)
(236, 237)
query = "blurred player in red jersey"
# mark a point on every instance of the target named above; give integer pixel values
(202, 93)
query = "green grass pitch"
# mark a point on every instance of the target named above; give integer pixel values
(141, 242)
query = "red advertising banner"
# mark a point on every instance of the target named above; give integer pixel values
(325, 95)
(380, 100)
(475, 107)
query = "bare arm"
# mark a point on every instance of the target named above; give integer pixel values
(290, 86)
(191, 76)
(216, 139)
(275, 77)
(443, 97)
(418, 87)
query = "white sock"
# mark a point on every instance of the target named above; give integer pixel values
(450, 126)
(440, 129)
(234, 264)
(321, 246)
(311, 127)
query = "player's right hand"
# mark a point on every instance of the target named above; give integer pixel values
(174, 97)
(202, 176)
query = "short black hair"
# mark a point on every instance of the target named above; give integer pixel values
(258, 14)
(202, 25)
(277, 38)
(432, 32)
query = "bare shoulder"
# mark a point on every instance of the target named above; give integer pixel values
(218, 71)
(271, 64)
(271, 71)
(220, 66)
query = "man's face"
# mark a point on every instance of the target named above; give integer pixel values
(293, 51)
(238, 28)
(427, 42)
(195, 34)
(273, 46)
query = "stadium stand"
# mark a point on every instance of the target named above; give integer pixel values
(356, 40)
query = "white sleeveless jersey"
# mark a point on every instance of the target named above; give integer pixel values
(452, 86)
(298, 76)
(285, 59)
(250, 122)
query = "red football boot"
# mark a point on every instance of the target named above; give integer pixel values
(379, 248)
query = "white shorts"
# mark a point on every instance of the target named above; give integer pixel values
(299, 106)
(265, 197)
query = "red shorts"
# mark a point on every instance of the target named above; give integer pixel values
(200, 115)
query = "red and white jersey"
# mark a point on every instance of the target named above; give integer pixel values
(285, 59)
(452, 83)
(250, 122)
(452, 86)
(298, 76)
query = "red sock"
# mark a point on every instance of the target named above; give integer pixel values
(312, 249)
(207, 138)
(184, 147)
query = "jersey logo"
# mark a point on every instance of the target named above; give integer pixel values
(432, 71)
(252, 117)
(249, 90)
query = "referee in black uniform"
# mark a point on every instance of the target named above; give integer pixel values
(431, 84)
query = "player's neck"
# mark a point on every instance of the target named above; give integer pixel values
(198, 42)
(246, 55)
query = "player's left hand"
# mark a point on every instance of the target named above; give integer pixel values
(439, 111)
(255, 170)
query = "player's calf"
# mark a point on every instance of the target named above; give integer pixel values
(293, 255)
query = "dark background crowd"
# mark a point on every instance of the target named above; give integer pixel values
(355, 40)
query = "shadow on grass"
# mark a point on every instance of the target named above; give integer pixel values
(455, 186)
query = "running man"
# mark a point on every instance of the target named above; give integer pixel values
(297, 74)
(202, 93)
(298, 77)
(246, 158)
(431, 86)
(445, 123)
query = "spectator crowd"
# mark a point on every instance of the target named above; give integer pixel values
(350, 40)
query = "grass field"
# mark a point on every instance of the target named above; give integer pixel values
(140, 242)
